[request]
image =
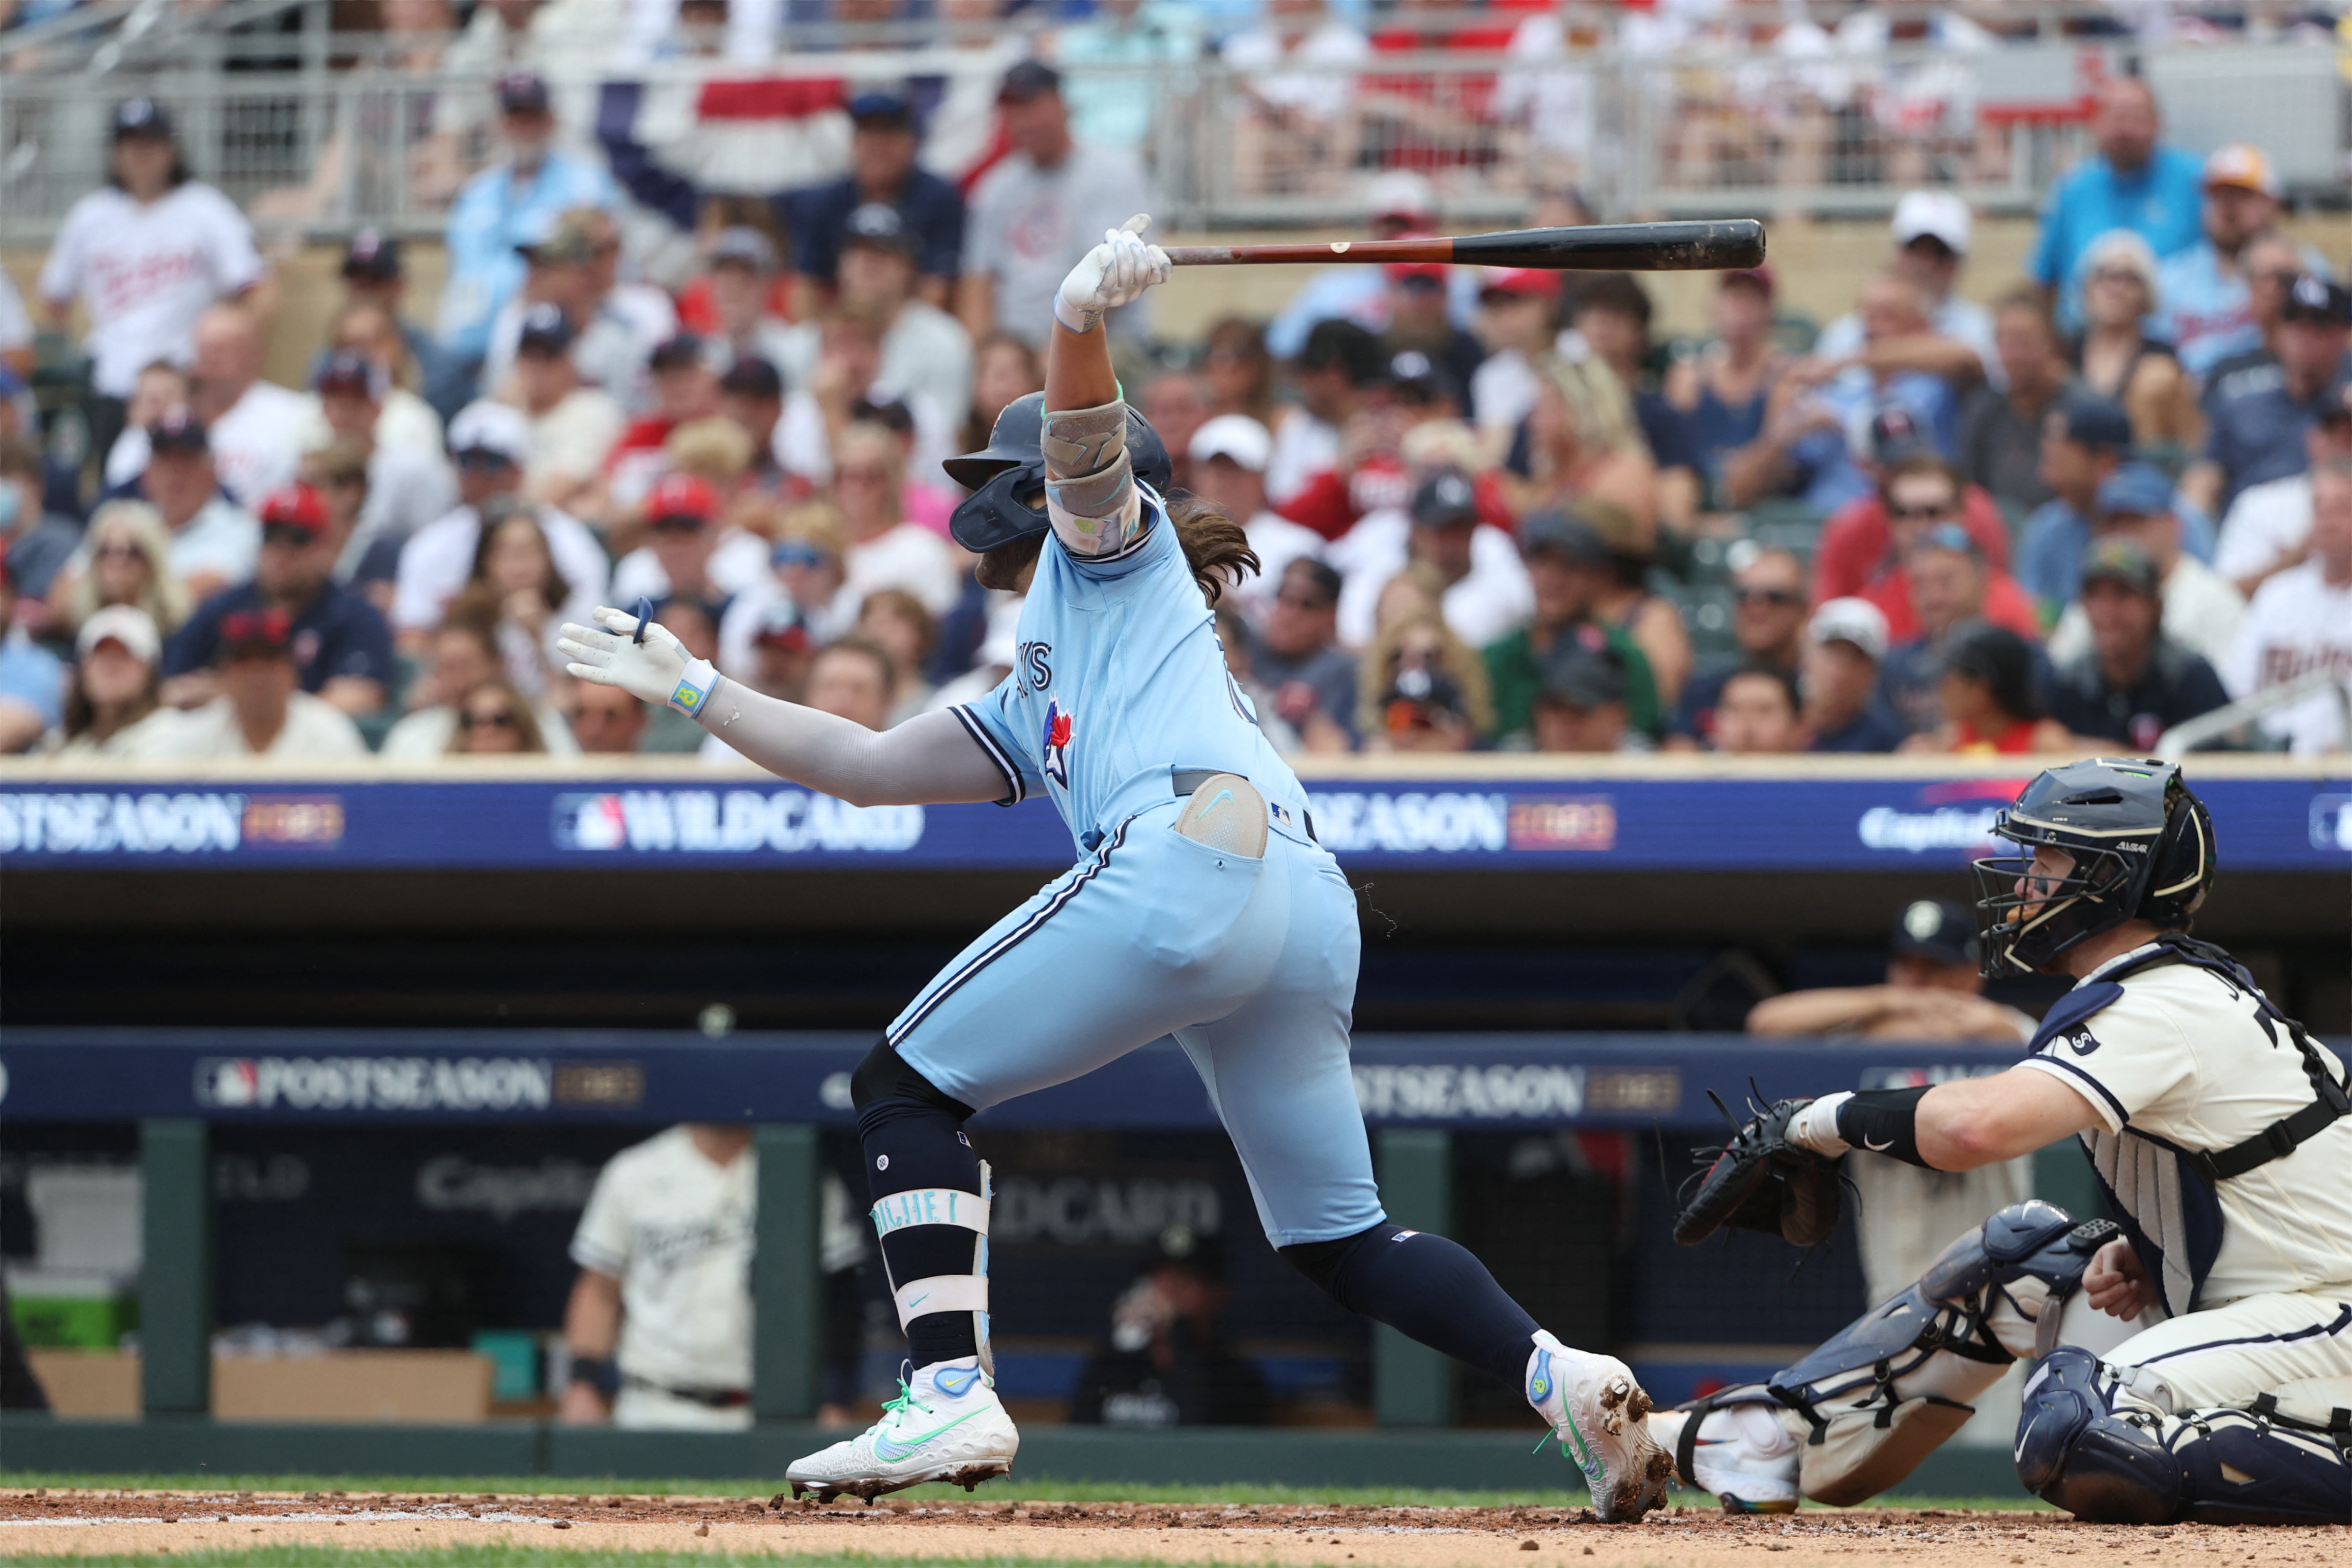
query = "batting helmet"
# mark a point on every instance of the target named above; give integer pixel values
(2142, 847)
(1007, 477)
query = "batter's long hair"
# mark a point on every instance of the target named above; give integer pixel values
(1215, 548)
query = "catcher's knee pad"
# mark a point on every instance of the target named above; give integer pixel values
(1882, 1394)
(1225, 812)
(2074, 1449)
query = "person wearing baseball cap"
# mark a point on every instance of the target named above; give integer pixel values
(260, 709)
(1519, 320)
(1230, 453)
(113, 686)
(339, 644)
(1569, 567)
(739, 296)
(884, 134)
(2257, 417)
(1397, 202)
(516, 200)
(2268, 529)
(1845, 644)
(926, 352)
(1580, 704)
(2207, 312)
(1932, 231)
(574, 426)
(2201, 609)
(2131, 683)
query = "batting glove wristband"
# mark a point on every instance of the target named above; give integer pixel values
(641, 658)
(1115, 272)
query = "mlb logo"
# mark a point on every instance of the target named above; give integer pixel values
(590, 823)
(1056, 745)
(1281, 813)
(231, 1082)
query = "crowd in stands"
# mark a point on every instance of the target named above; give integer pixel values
(1493, 510)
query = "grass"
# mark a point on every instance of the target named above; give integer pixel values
(503, 1556)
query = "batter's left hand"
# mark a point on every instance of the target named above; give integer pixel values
(1114, 273)
(2115, 1284)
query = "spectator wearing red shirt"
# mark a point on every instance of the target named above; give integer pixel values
(1370, 473)
(1922, 495)
(1857, 545)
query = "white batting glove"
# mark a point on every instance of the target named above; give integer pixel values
(1115, 272)
(656, 668)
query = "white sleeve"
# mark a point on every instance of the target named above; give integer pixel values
(602, 1242)
(2242, 669)
(228, 242)
(2122, 1060)
(61, 272)
(15, 325)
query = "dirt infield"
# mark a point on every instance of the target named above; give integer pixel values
(81, 1524)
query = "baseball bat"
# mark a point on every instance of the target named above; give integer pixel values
(1698, 246)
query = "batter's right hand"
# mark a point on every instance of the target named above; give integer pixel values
(2115, 1284)
(610, 654)
(1114, 273)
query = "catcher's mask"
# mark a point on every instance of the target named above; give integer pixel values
(2142, 847)
(1007, 477)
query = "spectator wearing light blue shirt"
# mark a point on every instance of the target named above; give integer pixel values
(2135, 183)
(1401, 202)
(1931, 233)
(507, 206)
(2084, 441)
(2208, 312)
(1104, 60)
(32, 679)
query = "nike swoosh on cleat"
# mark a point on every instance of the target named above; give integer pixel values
(882, 1445)
(968, 1376)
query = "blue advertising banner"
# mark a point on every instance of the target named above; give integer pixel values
(1612, 823)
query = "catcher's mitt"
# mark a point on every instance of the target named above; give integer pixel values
(1760, 1181)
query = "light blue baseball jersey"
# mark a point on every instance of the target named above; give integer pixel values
(1119, 677)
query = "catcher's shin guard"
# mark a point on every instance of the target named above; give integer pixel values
(1882, 1395)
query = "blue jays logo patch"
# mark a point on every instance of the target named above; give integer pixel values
(1056, 747)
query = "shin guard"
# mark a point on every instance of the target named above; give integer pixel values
(931, 1193)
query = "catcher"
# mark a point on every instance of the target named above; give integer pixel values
(2196, 1361)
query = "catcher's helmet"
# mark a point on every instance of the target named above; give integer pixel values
(2142, 846)
(1007, 477)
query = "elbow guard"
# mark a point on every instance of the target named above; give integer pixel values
(1090, 494)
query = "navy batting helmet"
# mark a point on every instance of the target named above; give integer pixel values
(1007, 477)
(2142, 847)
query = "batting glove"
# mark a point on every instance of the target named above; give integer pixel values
(1115, 272)
(642, 659)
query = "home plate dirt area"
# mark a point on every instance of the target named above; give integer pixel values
(111, 1523)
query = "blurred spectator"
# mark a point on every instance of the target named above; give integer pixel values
(1954, 339)
(1177, 406)
(853, 679)
(2301, 620)
(1004, 370)
(1297, 127)
(2268, 529)
(2131, 683)
(2135, 183)
(38, 542)
(1723, 391)
(1038, 210)
(619, 326)
(1947, 581)
(368, 566)
(125, 558)
(145, 256)
(690, 548)
(685, 389)
(514, 586)
(1611, 314)
(1768, 621)
(659, 1322)
(1418, 321)
(1933, 990)
(2271, 263)
(2201, 609)
(338, 642)
(2256, 416)
(1296, 656)
(2085, 439)
(2117, 357)
(1470, 564)
(114, 683)
(883, 142)
(32, 679)
(460, 654)
(374, 275)
(160, 387)
(1229, 456)
(254, 424)
(1623, 600)
(1922, 498)
(1985, 697)
(489, 443)
(1580, 706)
(213, 540)
(800, 598)
(1423, 690)
(1109, 106)
(404, 419)
(2001, 427)
(1758, 713)
(1398, 202)
(1236, 369)
(1567, 565)
(845, 381)
(507, 206)
(261, 710)
(1333, 375)
(573, 427)
(751, 397)
(886, 550)
(896, 622)
(740, 273)
(1167, 1363)
(16, 332)
(605, 720)
(1518, 321)
(1583, 445)
(1845, 710)
(406, 487)
(494, 720)
(925, 352)
(2208, 312)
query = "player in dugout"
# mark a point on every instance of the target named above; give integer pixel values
(2195, 1361)
(1200, 905)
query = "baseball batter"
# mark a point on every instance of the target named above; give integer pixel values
(2195, 1363)
(1200, 906)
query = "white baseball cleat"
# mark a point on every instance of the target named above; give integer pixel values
(1742, 1453)
(947, 1424)
(1600, 1416)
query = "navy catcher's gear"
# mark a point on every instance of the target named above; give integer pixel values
(2142, 846)
(2074, 1451)
(1007, 477)
(1881, 1395)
